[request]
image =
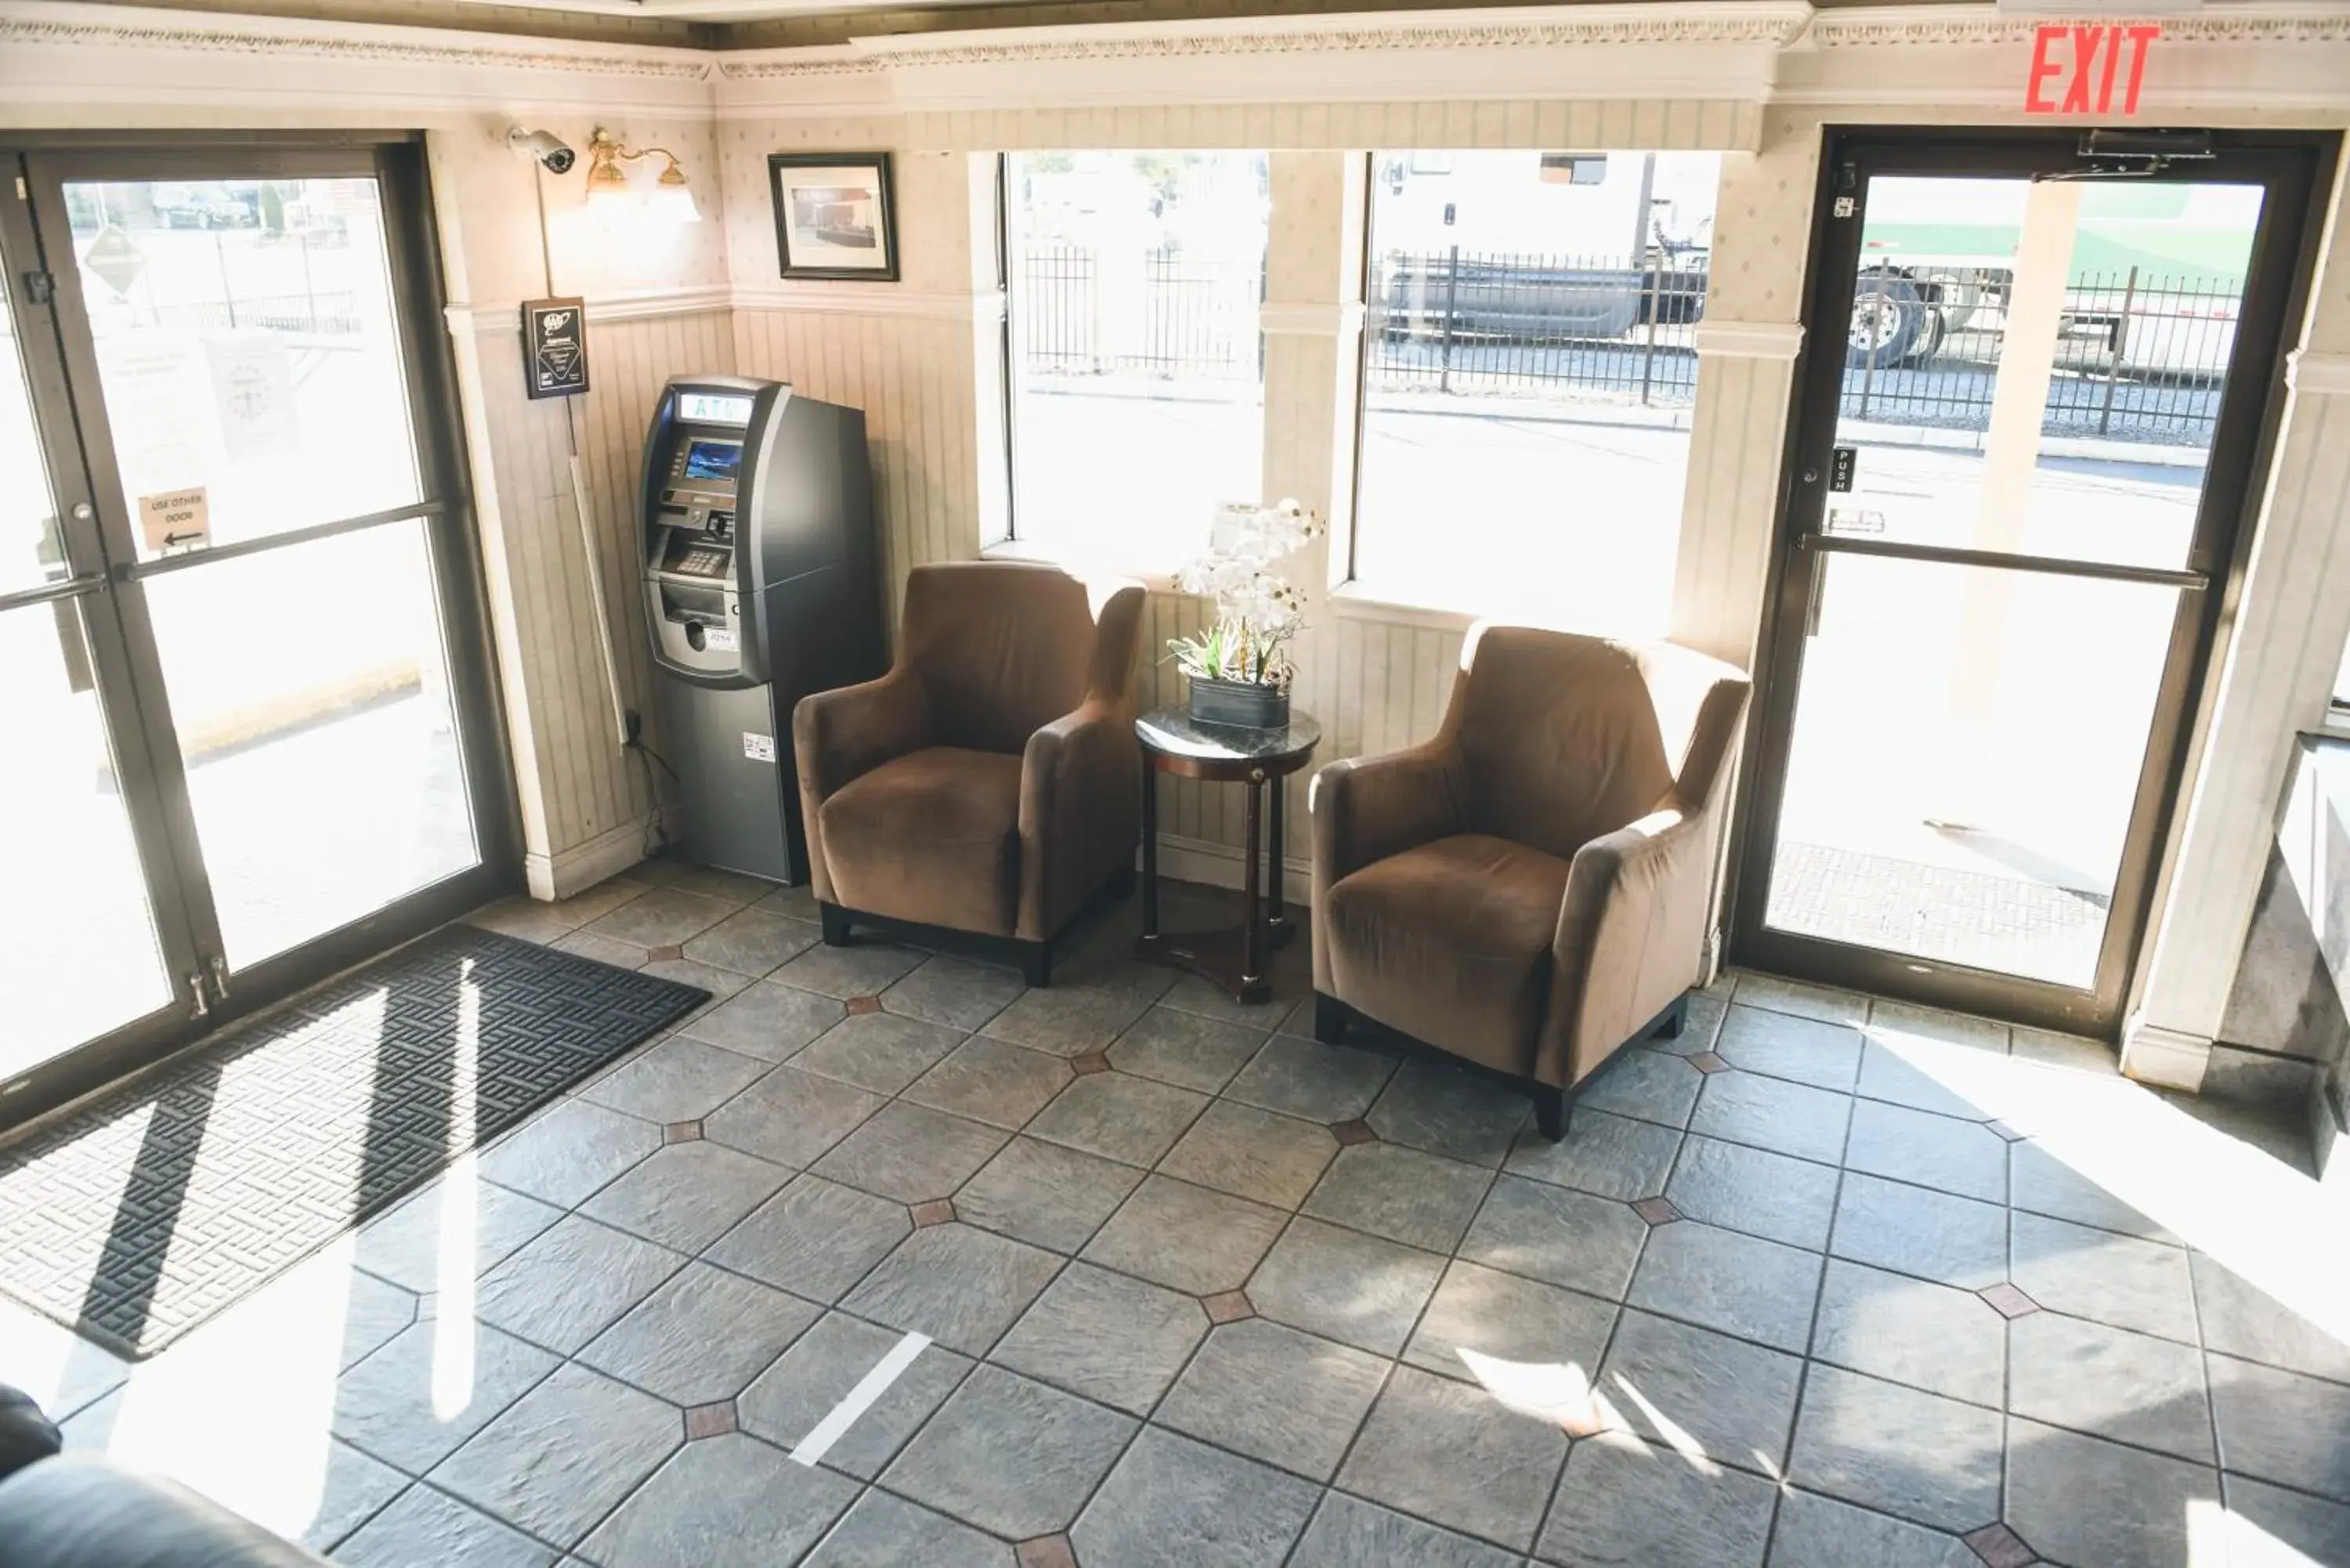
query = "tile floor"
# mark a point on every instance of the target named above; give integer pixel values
(1121, 1274)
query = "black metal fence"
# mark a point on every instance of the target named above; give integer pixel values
(2140, 356)
(1170, 314)
(1608, 328)
(335, 313)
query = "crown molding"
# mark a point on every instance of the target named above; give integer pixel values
(1771, 23)
(55, 52)
(1903, 26)
(1672, 51)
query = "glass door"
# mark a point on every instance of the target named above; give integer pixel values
(2034, 390)
(248, 338)
(92, 947)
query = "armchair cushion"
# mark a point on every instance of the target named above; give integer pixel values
(1451, 940)
(931, 836)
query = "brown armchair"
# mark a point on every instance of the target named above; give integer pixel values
(1529, 890)
(990, 782)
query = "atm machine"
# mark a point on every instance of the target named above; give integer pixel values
(761, 585)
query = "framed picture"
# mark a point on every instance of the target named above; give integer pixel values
(555, 347)
(834, 215)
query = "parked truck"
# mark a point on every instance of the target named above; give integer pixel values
(1542, 247)
(2155, 278)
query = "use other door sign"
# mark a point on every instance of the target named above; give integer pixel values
(175, 519)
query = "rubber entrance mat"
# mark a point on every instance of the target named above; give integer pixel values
(146, 1211)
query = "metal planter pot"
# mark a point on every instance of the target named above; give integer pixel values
(1239, 704)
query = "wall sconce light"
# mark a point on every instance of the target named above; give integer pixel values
(608, 192)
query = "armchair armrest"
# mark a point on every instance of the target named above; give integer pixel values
(837, 735)
(1632, 928)
(1367, 809)
(1080, 811)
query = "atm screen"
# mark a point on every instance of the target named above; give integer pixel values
(712, 460)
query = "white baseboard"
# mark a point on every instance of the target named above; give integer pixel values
(2171, 1058)
(581, 867)
(1220, 865)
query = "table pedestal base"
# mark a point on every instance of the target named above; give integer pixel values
(1219, 955)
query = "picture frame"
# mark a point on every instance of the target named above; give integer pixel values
(555, 347)
(835, 215)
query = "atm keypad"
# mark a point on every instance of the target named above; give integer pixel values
(703, 563)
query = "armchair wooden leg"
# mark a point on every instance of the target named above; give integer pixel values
(1037, 963)
(1329, 1019)
(1675, 1019)
(1550, 1111)
(834, 921)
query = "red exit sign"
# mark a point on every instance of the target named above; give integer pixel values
(2088, 68)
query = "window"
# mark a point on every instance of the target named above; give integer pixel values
(1136, 374)
(2342, 682)
(1528, 376)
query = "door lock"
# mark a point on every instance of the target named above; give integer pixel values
(219, 967)
(83, 511)
(199, 1006)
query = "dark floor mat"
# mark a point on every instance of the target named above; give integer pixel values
(143, 1213)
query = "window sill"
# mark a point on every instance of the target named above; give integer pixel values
(1157, 580)
(1353, 601)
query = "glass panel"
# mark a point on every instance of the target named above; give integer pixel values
(32, 548)
(1966, 753)
(246, 342)
(322, 754)
(1138, 372)
(79, 954)
(1528, 377)
(2036, 367)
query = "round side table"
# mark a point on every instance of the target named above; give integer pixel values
(1175, 743)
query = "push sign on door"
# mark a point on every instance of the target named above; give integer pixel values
(1841, 462)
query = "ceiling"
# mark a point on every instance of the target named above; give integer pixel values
(770, 23)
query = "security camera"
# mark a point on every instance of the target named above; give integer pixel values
(544, 145)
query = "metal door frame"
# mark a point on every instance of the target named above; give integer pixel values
(70, 406)
(2295, 170)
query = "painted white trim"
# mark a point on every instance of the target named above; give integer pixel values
(1775, 23)
(504, 316)
(2168, 1058)
(872, 299)
(2318, 370)
(581, 867)
(1310, 318)
(2289, 22)
(1222, 865)
(1350, 601)
(1712, 51)
(85, 57)
(1724, 339)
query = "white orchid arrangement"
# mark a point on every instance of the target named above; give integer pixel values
(1257, 613)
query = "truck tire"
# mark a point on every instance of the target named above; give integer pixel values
(1889, 322)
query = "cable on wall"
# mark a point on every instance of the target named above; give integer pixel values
(627, 727)
(623, 729)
